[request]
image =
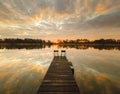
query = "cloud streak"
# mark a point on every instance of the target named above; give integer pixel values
(53, 17)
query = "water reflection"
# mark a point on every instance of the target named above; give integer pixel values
(85, 46)
(96, 71)
(96, 83)
(39, 46)
(21, 71)
(17, 79)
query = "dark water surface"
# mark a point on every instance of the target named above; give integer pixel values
(96, 71)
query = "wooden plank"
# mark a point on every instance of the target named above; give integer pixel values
(58, 93)
(59, 78)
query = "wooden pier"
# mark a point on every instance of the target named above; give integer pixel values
(59, 78)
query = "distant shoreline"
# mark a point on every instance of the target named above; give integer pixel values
(78, 44)
(63, 44)
(42, 46)
(89, 44)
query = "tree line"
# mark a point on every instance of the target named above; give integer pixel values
(24, 41)
(40, 41)
(86, 41)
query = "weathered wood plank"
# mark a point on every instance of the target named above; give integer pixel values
(59, 78)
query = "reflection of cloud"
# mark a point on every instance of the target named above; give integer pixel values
(90, 83)
(22, 70)
(20, 76)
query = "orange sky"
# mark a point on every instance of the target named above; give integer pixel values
(60, 19)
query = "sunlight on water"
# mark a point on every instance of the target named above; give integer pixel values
(96, 71)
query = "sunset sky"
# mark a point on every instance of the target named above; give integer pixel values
(60, 19)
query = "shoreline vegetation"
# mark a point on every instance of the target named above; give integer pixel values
(78, 44)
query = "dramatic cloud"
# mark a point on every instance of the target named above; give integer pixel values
(48, 18)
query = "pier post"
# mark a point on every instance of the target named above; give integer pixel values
(56, 53)
(63, 53)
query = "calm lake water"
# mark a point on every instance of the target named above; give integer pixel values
(96, 71)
